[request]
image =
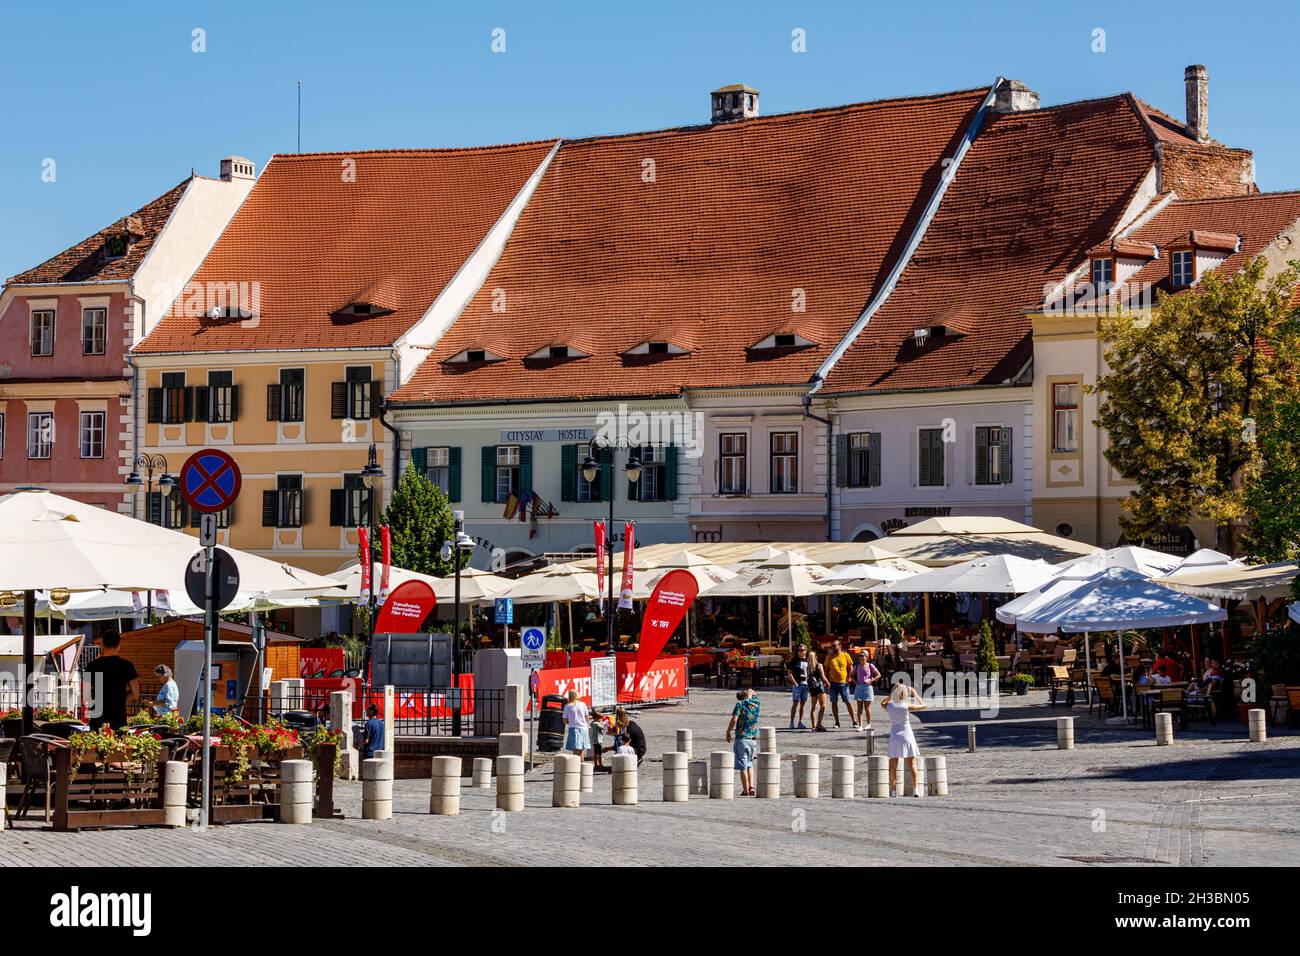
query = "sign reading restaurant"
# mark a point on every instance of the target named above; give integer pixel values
(529, 435)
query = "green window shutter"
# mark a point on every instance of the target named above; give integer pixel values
(842, 461)
(937, 471)
(606, 474)
(376, 398)
(420, 459)
(981, 456)
(187, 403)
(873, 461)
(1005, 453)
(526, 468)
(153, 508)
(670, 474)
(489, 472)
(453, 474)
(568, 472)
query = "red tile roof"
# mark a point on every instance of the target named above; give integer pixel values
(1257, 219)
(315, 241)
(1036, 192)
(88, 261)
(710, 255)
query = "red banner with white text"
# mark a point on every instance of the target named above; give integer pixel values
(386, 550)
(363, 552)
(664, 680)
(668, 604)
(629, 547)
(600, 561)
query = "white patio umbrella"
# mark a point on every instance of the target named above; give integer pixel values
(475, 586)
(1113, 600)
(1151, 564)
(1293, 612)
(883, 570)
(787, 574)
(942, 541)
(1206, 559)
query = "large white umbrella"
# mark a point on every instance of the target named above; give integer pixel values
(885, 571)
(475, 586)
(1113, 600)
(1206, 559)
(999, 574)
(942, 541)
(1151, 564)
(787, 574)
(556, 582)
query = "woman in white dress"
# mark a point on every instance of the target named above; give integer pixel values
(903, 699)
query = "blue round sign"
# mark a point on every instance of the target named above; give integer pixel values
(210, 481)
(533, 638)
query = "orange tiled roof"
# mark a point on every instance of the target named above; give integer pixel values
(710, 255)
(1257, 219)
(316, 242)
(1036, 192)
(88, 261)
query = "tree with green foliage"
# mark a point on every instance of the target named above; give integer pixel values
(419, 521)
(1273, 498)
(986, 657)
(1189, 387)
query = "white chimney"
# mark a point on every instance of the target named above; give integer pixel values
(735, 102)
(1196, 80)
(236, 167)
(1013, 96)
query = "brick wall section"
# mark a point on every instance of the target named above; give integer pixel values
(1206, 171)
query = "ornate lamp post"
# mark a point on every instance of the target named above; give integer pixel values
(460, 545)
(150, 464)
(370, 476)
(591, 472)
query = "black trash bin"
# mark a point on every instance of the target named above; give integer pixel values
(299, 720)
(550, 723)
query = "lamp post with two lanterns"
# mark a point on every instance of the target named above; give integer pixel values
(150, 464)
(591, 472)
(453, 550)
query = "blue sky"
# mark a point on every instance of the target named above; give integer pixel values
(115, 94)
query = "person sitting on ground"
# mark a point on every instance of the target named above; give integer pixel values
(630, 731)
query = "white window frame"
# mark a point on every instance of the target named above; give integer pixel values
(654, 464)
(87, 312)
(31, 332)
(1103, 283)
(783, 465)
(859, 447)
(508, 458)
(437, 466)
(86, 433)
(1067, 413)
(725, 457)
(33, 429)
(588, 492)
(1188, 258)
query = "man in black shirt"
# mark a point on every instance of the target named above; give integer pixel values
(114, 684)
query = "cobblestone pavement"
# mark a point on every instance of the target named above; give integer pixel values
(1210, 799)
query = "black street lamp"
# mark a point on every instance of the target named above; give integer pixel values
(151, 464)
(453, 550)
(591, 472)
(370, 476)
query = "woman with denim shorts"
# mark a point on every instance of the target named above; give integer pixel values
(576, 719)
(864, 675)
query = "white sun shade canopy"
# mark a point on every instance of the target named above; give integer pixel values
(1119, 599)
(999, 574)
(1144, 561)
(48, 541)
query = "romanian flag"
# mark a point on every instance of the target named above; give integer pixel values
(512, 505)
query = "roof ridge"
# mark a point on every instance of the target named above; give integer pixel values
(419, 150)
(1248, 196)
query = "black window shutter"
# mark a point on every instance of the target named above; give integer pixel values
(981, 456)
(873, 463)
(489, 472)
(153, 508)
(670, 474)
(453, 474)
(270, 508)
(526, 468)
(201, 403)
(187, 403)
(1005, 453)
(338, 503)
(376, 398)
(923, 471)
(937, 470)
(234, 403)
(273, 402)
(302, 508)
(338, 399)
(568, 473)
(842, 460)
(155, 404)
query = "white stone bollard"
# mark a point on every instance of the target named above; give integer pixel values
(278, 697)
(510, 783)
(175, 790)
(588, 777)
(767, 776)
(566, 780)
(341, 719)
(842, 776)
(807, 770)
(1064, 733)
(1258, 725)
(676, 785)
(511, 745)
(390, 721)
(444, 787)
(912, 786)
(722, 775)
(878, 776)
(685, 739)
(625, 780)
(377, 789)
(698, 771)
(482, 774)
(767, 740)
(512, 720)
(296, 791)
(936, 775)
(970, 738)
(1164, 729)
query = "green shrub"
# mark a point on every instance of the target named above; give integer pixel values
(986, 658)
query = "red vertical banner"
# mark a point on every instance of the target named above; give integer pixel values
(363, 550)
(386, 549)
(600, 561)
(629, 546)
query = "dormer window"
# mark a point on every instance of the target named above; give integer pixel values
(361, 310)
(783, 340)
(1182, 268)
(1103, 275)
(559, 351)
(474, 356)
(655, 348)
(556, 353)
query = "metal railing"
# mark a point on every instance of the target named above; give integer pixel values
(420, 712)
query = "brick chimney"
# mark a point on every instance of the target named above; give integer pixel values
(1196, 80)
(236, 167)
(1012, 96)
(735, 102)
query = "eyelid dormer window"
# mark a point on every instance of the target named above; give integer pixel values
(554, 353)
(361, 310)
(656, 347)
(473, 356)
(783, 340)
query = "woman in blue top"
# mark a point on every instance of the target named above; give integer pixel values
(169, 695)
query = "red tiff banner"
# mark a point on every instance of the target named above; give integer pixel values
(422, 703)
(664, 680)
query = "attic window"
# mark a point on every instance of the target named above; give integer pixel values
(555, 353)
(361, 310)
(115, 247)
(783, 340)
(1103, 275)
(474, 356)
(559, 351)
(656, 348)
(1182, 268)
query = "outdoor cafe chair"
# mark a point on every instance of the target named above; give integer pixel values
(1277, 702)
(1172, 700)
(64, 729)
(38, 770)
(1058, 679)
(1106, 696)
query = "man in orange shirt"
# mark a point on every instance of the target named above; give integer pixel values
(838, 666)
